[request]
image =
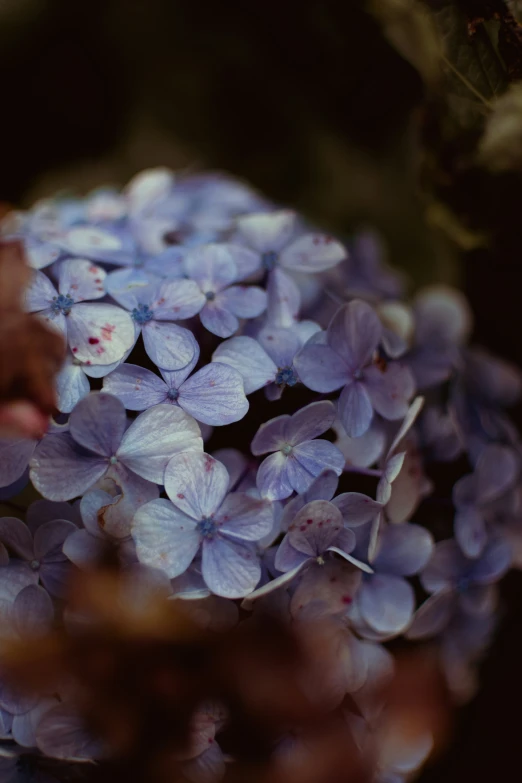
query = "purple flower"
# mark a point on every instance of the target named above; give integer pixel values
(213, 395)
(298, 458)
(317, 529)
(99, 444)
(267, 360)
(96, 333)
(40, 549)
(495, 472)
(202, 516)
(213, 269)
(273, 238)
(356, 508)
(442, 323)
(457, 583)
(153, 307)
(386, 601)
(316, 533)
(346, 359)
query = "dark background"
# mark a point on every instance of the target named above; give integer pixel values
(91, 93)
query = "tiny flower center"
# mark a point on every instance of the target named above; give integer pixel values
(142, 314)
(62, 304)
(358, 374)
(320, 560)
(173, 394)
(269, 260)
(210, 296)
(113, 460)
(286, 376)
(35, 565)
(286, 448)
(207, 528)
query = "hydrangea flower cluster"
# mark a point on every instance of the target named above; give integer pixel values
(189, 304)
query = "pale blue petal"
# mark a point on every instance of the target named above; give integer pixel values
(245, 517)
(354, 333)
(154, 437)
(271, 435)
(320, 368)
(318, 455)
(244, 301)
(174, 378)
(211, 266)
(246, 356)
(403, 549)
(386, 603)
(356, 508)
(280, 344)
(214, 395)
(355, 409)
(218, 319)
(136, 387)
(126, 286)
(98, 423)
(313, 253)
(269, 231)
(175, 300)
(72, 385)
(62, 470)
(230, 568)
(196, 483)
(165, 537)
(310, 422)
(284, 299)
(272, 478)
(169, 346)
(287, 557)
(40, 293)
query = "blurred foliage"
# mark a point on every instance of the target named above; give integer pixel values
(367, 112)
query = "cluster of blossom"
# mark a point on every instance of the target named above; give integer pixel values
(183, 261)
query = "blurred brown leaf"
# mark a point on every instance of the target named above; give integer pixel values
(30, 353)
